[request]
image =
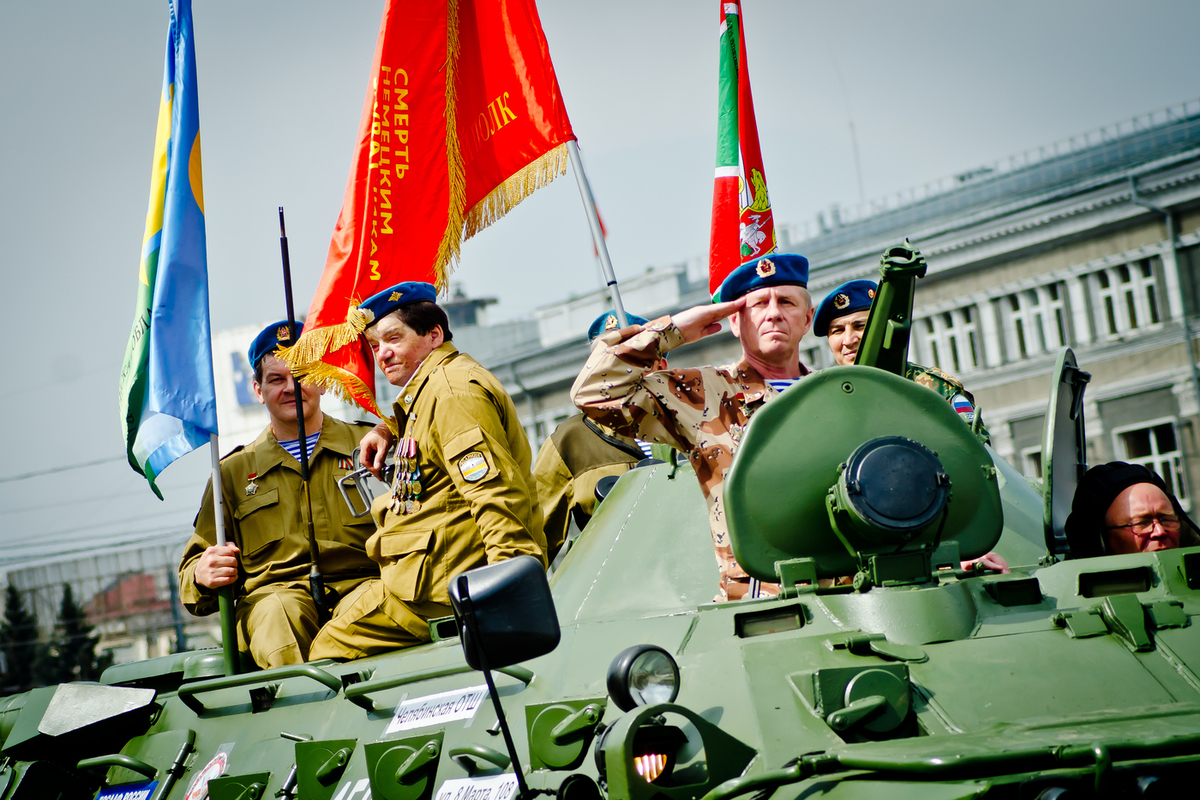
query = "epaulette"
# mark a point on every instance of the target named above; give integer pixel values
(933, 372)
(948, 378)
(234, 451)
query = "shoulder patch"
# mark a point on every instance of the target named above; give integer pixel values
(963, 406)
(473, 467)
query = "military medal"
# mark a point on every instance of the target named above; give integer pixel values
(406, 486)
(412, 479)
(251, 487)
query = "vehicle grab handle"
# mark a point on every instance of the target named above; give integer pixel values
(187, 693)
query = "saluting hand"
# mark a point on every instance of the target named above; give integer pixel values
(373, 449)
(696, 323)
(218, 566)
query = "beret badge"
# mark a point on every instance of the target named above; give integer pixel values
(765, 268)
(841, 301)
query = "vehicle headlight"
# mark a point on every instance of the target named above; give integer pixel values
(641, 675)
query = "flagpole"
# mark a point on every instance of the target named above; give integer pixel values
(225, 593)
(589, 205)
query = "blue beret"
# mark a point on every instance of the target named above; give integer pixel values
(777, 269)
(394, 297)
(608, 322)
(271, 337)
(845, 299)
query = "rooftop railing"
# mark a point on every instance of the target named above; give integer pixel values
(839, 216)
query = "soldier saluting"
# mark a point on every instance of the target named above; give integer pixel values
(462, 495)
(268, 554)
(702, 412)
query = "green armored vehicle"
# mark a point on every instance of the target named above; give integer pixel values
(882, 670)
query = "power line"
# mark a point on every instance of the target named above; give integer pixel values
(8, 563)
(71, 379)
(44, 539)
(55, 470)
(59, 504)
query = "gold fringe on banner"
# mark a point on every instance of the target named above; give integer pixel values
(304, 357)
(314, 344)
(448, 249)
(338, 381)
(522, 183)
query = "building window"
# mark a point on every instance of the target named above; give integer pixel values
(816, 356)
(1128, 297)
(952, 340)
(1031, 462)
(1156, 447)
(1035, 321)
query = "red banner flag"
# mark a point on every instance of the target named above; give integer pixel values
(462, 121)
(743, 227)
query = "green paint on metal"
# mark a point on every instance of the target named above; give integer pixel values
(801, 439)
(404, 769)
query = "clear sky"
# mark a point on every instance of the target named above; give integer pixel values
(933, 88)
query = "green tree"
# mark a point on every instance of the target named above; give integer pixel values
(19, 639)
(72, 656)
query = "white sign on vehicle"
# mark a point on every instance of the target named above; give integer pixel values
(128, 791)
(497, 787)
(436, 709)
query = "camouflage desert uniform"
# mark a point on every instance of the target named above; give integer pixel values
(276, 618)
(948, 387)
(700, 412)
(570, 464)
(477, 505)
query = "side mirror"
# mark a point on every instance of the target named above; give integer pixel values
(505, 613)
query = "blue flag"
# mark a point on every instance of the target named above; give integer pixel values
(168, 400)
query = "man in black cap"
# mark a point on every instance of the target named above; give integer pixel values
(267, 554)
(1122, 508)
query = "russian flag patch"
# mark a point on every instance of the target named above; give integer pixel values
(964, 408)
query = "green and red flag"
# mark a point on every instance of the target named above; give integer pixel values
(463, 120)
(743, 227)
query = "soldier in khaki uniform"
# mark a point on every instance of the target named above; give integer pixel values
(579, 453)
(267, 554)
(842, 318)
(462, 495)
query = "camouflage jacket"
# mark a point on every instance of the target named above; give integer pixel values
(700, 412)
(950, 388)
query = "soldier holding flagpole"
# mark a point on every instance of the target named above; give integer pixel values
(265, 516)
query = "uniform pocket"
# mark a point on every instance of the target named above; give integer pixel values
(259, 524)
(402, 561)
(358, 529)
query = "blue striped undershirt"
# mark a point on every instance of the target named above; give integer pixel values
(645, 446)
(293, 446)
(782, 383)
